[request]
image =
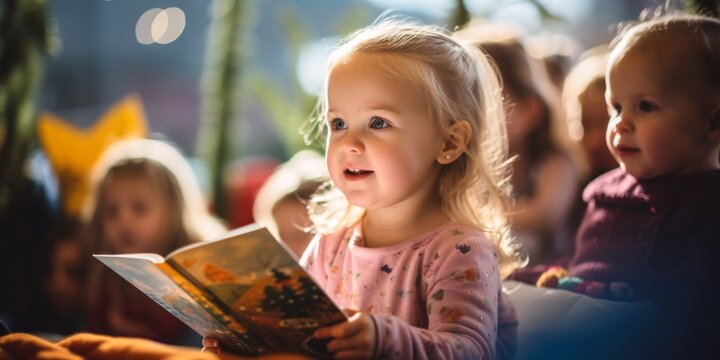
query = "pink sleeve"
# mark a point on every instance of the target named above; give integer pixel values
(461, 299)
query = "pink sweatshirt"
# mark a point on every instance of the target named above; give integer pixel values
(435, 296)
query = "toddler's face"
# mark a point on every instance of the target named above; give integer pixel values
(135, 217)
(658, 122)
(382, 144)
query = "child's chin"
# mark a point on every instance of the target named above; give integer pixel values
(642, 175)
(629, 170)
(362, 202)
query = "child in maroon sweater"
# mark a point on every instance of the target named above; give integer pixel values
(650, 223)
(651, 230)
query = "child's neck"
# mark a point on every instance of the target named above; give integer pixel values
(390, 226)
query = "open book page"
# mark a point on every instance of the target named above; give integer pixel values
(254, 278)
(176, 295)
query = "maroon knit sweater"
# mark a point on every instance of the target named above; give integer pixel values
(657, 235)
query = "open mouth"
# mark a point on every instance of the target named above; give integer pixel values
(626, 150)
(356, 174)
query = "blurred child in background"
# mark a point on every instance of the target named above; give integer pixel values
(65, 277)
(545, 172)
(281, 203)
(586, 111)
(557, 52)
(587, 118)
(146, 199)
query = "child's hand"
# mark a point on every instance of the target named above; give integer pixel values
(353, 339)
(211, 344)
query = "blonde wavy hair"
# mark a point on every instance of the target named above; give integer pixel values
(462, 85)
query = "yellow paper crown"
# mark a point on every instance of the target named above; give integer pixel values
(73, 151)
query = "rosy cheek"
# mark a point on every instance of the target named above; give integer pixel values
(331, 163)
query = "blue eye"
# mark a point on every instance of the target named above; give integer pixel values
(646, 106)
(378, 123)
(338, 124)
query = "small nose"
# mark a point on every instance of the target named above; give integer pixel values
(352, 143)
(123, 215)
(621, 123)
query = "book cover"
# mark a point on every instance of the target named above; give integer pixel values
(245, 289)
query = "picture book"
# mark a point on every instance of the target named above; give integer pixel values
(245, 289)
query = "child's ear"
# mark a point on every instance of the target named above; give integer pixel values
(456, 141)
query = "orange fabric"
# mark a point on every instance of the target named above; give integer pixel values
(101, 347)
(26, 346)
(110, 348)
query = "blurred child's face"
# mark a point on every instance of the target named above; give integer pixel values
(135, 217)
(382, 144)
(594, 119)
(523, 117)
(658, 123)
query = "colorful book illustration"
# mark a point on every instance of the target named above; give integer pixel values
(245, 289)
